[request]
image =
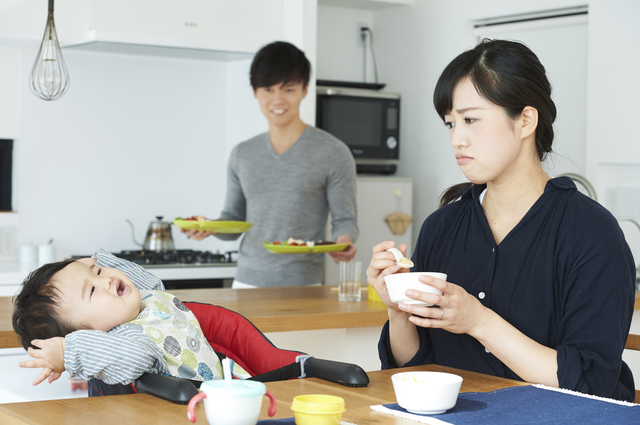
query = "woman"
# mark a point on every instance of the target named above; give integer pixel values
(540, 280)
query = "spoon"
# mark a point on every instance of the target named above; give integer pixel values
(226, 369)
(402, 261)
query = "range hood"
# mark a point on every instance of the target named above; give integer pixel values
(164, 46)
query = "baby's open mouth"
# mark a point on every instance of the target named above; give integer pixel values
(122, 289)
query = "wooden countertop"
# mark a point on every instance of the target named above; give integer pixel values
(143, 408)
(269, 309)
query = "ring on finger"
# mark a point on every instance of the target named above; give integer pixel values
(441, 313)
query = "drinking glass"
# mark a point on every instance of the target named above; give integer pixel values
(350, 273)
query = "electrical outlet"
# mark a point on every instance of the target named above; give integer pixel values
(359, 39)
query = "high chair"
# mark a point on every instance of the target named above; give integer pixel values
(232, 335)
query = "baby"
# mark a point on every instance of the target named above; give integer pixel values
(110, 319)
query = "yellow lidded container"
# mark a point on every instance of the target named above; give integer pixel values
(317, 409)
(373, 295)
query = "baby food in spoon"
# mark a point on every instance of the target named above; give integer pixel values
(402, 261)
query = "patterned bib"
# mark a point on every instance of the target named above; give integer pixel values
(176, 331)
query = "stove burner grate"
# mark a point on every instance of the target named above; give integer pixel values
(180, 256)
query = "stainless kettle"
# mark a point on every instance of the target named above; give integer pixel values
(158, 238)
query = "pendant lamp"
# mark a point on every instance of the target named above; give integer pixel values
(49, 79)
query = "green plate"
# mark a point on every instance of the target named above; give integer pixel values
(215, 226)
(288, 249)
(186, 224)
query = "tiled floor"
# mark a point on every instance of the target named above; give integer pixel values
(15, 382)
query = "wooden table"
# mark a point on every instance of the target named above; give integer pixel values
(269, 309)
(145, 409)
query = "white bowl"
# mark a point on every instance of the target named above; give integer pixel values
(426, 393)
(398, 283)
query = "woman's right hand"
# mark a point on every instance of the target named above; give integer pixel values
(382, 264)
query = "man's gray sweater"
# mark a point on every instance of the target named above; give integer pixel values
(289, 195)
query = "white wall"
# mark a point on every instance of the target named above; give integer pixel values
(414, 43)
(340, 52)
(133, 138)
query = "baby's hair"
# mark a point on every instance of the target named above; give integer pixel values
(36, 309)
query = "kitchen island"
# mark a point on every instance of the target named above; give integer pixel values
(308, 319)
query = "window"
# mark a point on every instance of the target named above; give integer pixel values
(6, 148)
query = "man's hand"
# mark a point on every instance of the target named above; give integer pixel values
(197, 235)
(348, 253)
(49, 356)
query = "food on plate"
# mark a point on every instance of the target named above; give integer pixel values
(300, 242)
(193, 218)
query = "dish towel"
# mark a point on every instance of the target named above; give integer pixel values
(532, 404)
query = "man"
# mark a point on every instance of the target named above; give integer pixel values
(287, 180)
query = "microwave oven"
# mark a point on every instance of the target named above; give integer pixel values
(367, 121)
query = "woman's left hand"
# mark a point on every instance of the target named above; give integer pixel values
(458, 312)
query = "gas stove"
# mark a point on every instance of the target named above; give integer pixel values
(184, 268)
(177, 258)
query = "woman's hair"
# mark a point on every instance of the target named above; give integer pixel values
(36, 309)
(279, 63)
(508, 74)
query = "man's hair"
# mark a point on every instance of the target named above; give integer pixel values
(279, 63)
(36, 309)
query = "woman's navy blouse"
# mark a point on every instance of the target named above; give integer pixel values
(564, 276)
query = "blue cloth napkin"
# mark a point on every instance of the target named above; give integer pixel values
(277, 421)
(534, 405)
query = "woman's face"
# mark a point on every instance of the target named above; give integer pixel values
(485, 141)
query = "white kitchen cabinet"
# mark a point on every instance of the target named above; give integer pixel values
(199, 29)
(23, 22)
(239, 26)
(376, 198)
(251, 21)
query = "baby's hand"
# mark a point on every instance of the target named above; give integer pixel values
(49, 356)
